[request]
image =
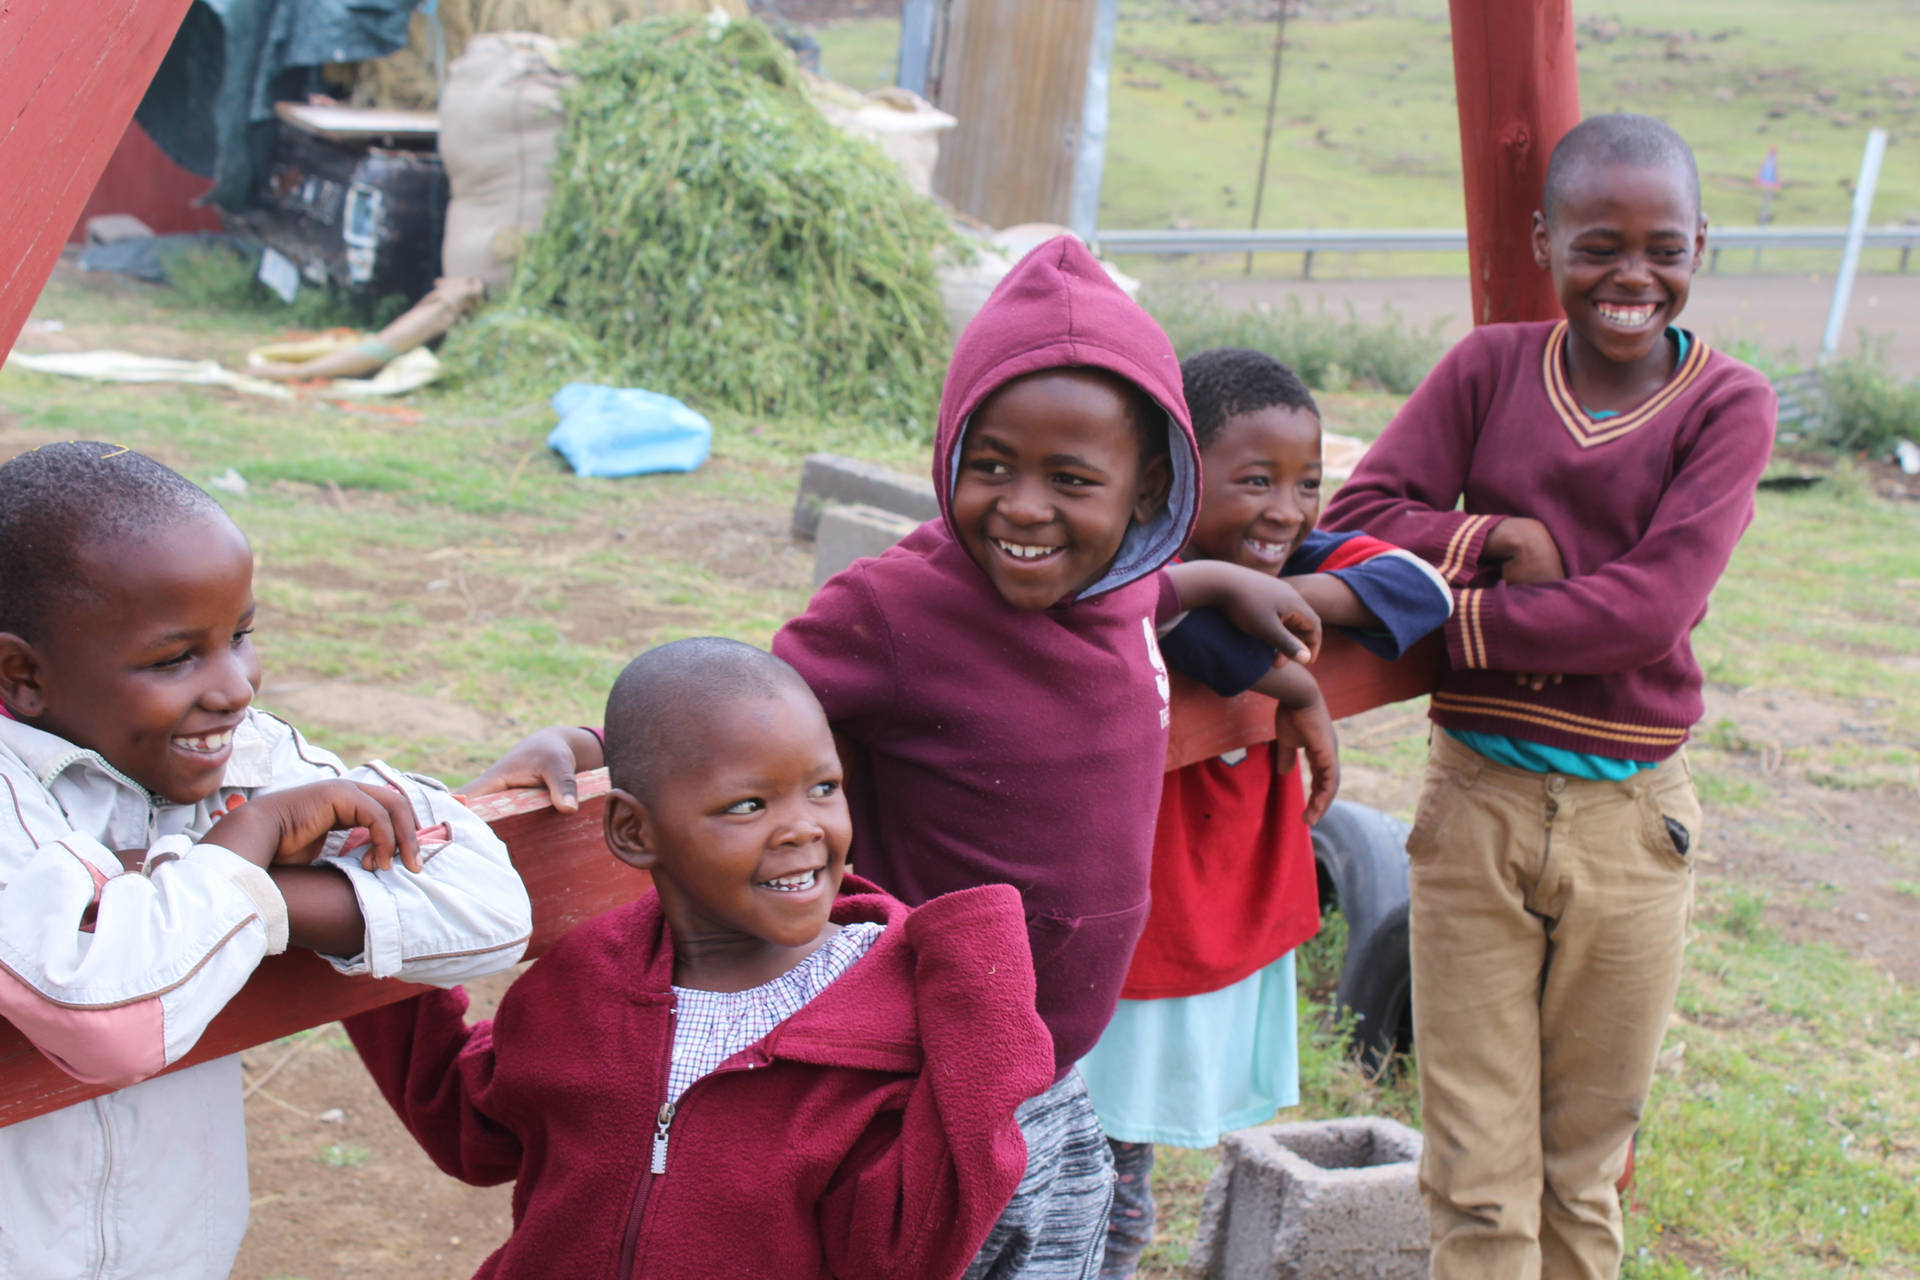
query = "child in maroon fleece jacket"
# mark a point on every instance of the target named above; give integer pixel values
(999, 684)
(1607, 464)
(750, 1071)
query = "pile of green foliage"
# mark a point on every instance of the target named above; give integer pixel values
(711, 236)
(1329, 352)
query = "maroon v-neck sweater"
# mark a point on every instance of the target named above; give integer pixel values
(1646, 507)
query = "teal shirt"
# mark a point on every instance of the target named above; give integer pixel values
(1519, 753)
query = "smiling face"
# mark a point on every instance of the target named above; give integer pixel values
(1260, 494)
(1622, 242)
(155, 669)
(746, 838)
(1051, 475)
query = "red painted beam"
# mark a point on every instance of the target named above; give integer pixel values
(1518, 90)
(1351, 679)
(571, 877)
(70, 76)
(568, 872)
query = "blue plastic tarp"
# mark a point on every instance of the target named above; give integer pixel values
(626, 431)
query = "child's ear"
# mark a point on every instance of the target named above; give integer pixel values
(1156, 477)
(629, 830)
(20, 677)
(1700, 242)
(1542, 241)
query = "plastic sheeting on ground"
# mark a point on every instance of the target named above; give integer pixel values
(625, 431)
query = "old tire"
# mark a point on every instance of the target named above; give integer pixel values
(1361, 855)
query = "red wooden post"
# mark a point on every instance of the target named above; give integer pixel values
(1519, 91)
(70, 77)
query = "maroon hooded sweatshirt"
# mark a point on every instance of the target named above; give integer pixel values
(869, 1135)
(995, 745)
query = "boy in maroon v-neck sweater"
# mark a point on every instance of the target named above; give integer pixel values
(1607, 465)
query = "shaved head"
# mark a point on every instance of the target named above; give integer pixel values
(65, 505)
(659, 709)
(1641, 142)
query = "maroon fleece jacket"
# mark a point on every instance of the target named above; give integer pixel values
(869, 1135)
(1646, 507)
(994, 745)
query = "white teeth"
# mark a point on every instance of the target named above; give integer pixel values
(1022, 551)
(1266, 548)
(1625, 317)
(793, 883)
(207, 742)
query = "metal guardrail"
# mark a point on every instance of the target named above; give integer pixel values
(1371, 240)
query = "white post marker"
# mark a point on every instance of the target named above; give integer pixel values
(1856, 230)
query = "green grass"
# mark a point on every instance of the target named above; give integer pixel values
(1821, 597)
(1366, 133)
(1779, 1141)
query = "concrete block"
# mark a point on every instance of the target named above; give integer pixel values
(849, 533)
(105, 228)
(1336, 1200)
(826, 479)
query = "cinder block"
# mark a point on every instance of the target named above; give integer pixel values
(827, 478)
(105, 228)
(1337, 1200)
(849, 533)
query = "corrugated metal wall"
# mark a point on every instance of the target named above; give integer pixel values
(1014, 73)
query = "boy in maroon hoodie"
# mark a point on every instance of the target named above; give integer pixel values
(751, 1071)
(1607, 464)
(998, 687)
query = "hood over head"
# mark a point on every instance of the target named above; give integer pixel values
(1058, 308)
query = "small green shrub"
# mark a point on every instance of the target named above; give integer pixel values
(1866, 406)
(1330, 353)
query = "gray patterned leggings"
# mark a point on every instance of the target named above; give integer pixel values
(1055, 1226)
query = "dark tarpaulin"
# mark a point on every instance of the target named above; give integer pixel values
(210, 106)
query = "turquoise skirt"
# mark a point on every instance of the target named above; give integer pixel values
(1183, 1071)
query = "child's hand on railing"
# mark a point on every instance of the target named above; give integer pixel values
(1303, 724)
(1259, 604)
(549, 758)
(287, 828)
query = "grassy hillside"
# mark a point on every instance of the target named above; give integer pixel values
(1366, 134)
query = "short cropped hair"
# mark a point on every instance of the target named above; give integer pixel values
(1623, 138)
(59, 501)
(665, 696)
(1228, 381)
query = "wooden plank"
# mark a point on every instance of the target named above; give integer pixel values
(1351, 679)
(568, 872)
(70, 77)
(571, 877)
(1518, 90)
(336, 123)
(1014, 73)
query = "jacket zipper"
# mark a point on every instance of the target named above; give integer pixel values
(656, 1168)
(106, 1184)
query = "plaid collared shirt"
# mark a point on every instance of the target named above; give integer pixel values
(711, 1026)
